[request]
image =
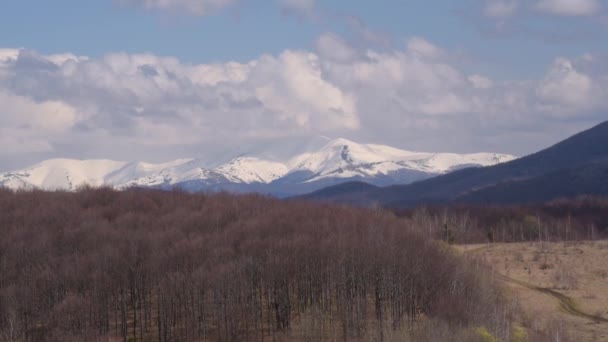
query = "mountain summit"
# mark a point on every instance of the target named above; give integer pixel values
(338, 161)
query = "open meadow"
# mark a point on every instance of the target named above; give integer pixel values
(560, 285)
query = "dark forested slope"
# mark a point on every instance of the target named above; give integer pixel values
(588, 179)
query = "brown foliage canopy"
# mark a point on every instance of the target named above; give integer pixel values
(167, 266)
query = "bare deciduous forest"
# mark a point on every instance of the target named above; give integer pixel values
(582, 218)
(145, 265)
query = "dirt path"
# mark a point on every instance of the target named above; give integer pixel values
(566, 303)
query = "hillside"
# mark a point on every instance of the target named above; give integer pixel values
(587, 179)
(572, 167)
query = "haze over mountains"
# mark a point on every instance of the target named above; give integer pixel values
(335, 161)
(575, 166)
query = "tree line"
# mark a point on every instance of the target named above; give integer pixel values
(582, 218)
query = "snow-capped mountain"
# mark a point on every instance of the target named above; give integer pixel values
(337, 161)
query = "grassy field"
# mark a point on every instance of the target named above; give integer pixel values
(560, 286)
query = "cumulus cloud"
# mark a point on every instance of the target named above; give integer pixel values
(28, 126)
(195, 7)
(292, 87)
(568, 90)
(131, 106)
(157, 100)
(500, 8)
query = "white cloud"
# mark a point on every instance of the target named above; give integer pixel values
(405, 97)
(48, 116)
(569, 7)
(7, 55)
(29, 126)
(157, 100)
(480, 82)
(565, 88)
(292, 86)
(195, 7)
(500, 8)
(417, 80)
(423, 47)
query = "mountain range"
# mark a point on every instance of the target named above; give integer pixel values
(332, 162)
(573, 167)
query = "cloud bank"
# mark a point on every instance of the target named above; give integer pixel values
(126, 106)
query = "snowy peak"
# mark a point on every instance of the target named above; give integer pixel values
(345, 159)
(336, 161)
(253, 170)
(340, 153)
(57, 174)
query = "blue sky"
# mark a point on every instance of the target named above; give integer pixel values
(243, 32)
(494, 75)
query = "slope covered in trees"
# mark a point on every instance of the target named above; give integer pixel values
(145, 265)
(589, 179)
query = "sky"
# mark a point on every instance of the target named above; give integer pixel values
(157, 80)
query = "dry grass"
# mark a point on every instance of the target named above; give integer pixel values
(578, 270)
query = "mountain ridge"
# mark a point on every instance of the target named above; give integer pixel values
(339, 160)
